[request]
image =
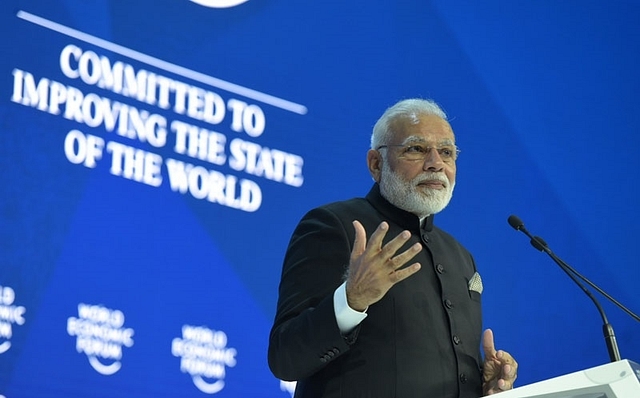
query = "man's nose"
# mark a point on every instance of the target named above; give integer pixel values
(433, 161)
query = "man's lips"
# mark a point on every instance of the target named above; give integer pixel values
(435, 184)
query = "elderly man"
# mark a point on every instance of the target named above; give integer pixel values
(375, 300)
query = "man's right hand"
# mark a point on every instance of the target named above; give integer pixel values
(374, 269)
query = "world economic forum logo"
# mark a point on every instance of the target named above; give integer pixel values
(219, 3)
(205, 356)
(9, 315)
(100, 335)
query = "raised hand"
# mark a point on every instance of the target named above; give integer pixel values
(374, 268)
(499, 370)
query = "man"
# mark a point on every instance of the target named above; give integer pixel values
(376, 301)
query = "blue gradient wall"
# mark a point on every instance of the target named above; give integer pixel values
(141, 241)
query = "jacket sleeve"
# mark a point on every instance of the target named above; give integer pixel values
(305, 336)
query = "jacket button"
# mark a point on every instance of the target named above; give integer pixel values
(439, 268)
(448, 303)
(463, 378)
(456, 340)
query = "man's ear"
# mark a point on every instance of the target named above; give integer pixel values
(374, 162)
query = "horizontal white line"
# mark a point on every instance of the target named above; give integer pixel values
(158, 63)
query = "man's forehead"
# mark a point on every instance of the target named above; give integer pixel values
(427, 126)
(420, 139)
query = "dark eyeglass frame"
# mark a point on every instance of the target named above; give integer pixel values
(420, 152)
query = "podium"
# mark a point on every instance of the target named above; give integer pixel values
(620, 379)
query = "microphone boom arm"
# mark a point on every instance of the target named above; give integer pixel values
(607, 329)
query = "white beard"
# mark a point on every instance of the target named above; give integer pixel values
(406, 195)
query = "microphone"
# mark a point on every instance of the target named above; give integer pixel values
(537, 242)
(541, 245)
(609, 336)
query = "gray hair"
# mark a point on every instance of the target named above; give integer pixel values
(409, 109)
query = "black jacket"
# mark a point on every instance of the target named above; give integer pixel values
(422, 339)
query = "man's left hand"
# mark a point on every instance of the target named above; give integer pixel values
(499, 370)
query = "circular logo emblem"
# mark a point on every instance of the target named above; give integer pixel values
(219, 3)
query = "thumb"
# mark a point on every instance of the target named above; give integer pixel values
(360, 241)
(488, 344)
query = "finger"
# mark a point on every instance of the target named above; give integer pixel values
(404, 257)
(509, 366)
(507, 378)
(360, 240)
(499, 386)
(508, 375)
(390, 248)
(488, 344)
(510, 370)
(404, 273)
(505, 384)
(505, 358)
(375, 241)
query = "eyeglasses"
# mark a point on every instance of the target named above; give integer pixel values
(448, 153)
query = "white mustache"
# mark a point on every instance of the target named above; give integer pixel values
(426, 177)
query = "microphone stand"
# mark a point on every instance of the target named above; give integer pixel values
(607, 329)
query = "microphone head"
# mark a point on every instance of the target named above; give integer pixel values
(515, 222)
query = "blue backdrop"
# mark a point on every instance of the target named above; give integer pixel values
(155, 157)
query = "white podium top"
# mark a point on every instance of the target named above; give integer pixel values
(619, 379)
